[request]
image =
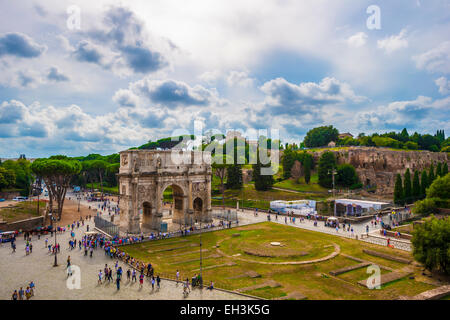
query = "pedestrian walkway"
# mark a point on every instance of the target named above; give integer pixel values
(18, 269)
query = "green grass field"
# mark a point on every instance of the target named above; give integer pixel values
(22, 210)
(228, 264)
(302, 186)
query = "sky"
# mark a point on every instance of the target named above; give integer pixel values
(81, 77)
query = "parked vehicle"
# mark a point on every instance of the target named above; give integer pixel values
(20, 198)
(2, 200)
(7, 236)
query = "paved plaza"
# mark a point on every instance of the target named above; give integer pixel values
(17, 270)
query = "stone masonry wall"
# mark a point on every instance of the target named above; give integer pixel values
(379, 166)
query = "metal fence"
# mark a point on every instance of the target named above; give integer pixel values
(106, 226)
(227, 214)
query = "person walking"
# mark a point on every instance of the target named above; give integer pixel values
(178, 275)
(158, 282)
(134, 276)
(118, 282)
(141, 280)
(21, 293)
(14, 295)
(128, 274)
(99, 277)
(153, 283)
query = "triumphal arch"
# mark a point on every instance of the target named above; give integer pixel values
(145, 174)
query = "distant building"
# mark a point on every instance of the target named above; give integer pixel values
(332, 144)
(345, 135)
(233, 135)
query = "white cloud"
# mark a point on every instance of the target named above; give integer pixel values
(436, 60)
(443, 84)
(394, 42)
(239, 78)
(357, 40)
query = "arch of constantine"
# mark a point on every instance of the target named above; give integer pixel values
(144, 175)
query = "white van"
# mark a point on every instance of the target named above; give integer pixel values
(20, 198)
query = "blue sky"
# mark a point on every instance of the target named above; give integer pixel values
(79, 77)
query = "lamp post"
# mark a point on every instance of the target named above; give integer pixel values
(79, 199)
(201, 260)
(332, 172)
(56, 249)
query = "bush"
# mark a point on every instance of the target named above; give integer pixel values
(411, 145)
(425, 207)
(356, 186)
(440, 188)
(431, 244)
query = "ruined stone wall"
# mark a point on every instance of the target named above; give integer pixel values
(379, 166)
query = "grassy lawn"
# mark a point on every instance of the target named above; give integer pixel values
(259, 199)
(22, 210)
(301, 185)
(245, 253)
(96, 185)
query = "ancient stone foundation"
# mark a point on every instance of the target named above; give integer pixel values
(379, 166)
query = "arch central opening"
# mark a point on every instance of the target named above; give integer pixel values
(173, 205)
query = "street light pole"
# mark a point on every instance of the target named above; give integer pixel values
(333, 172)
(201, 260)
(56, 249)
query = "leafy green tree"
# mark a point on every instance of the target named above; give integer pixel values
(21, 169)
(111, 174)
(57, 172)
(416, 186)
(7, 178)
(346, 175)
(262, 182)
(423, 184)
(320, 136)
(444, 168)
(407, 189)
(431, 244)
(327, 163)
(398, 190)
(100, 167)
(440, 188)
(439, 170)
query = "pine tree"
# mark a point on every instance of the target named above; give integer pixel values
(439, 170)
(431, 175)
(444, 168)
(407, 186)
(416, 186)
(423, 184)
(398, 190)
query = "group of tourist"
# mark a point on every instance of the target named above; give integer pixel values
(21, 294)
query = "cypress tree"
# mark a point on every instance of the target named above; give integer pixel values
(416, 186)
(407, 186)
(431, 175)
(398, 190)
(439, 170)
(423, 184)
(234, 176)
(307, 167)
(444, 168)
(262, 182)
